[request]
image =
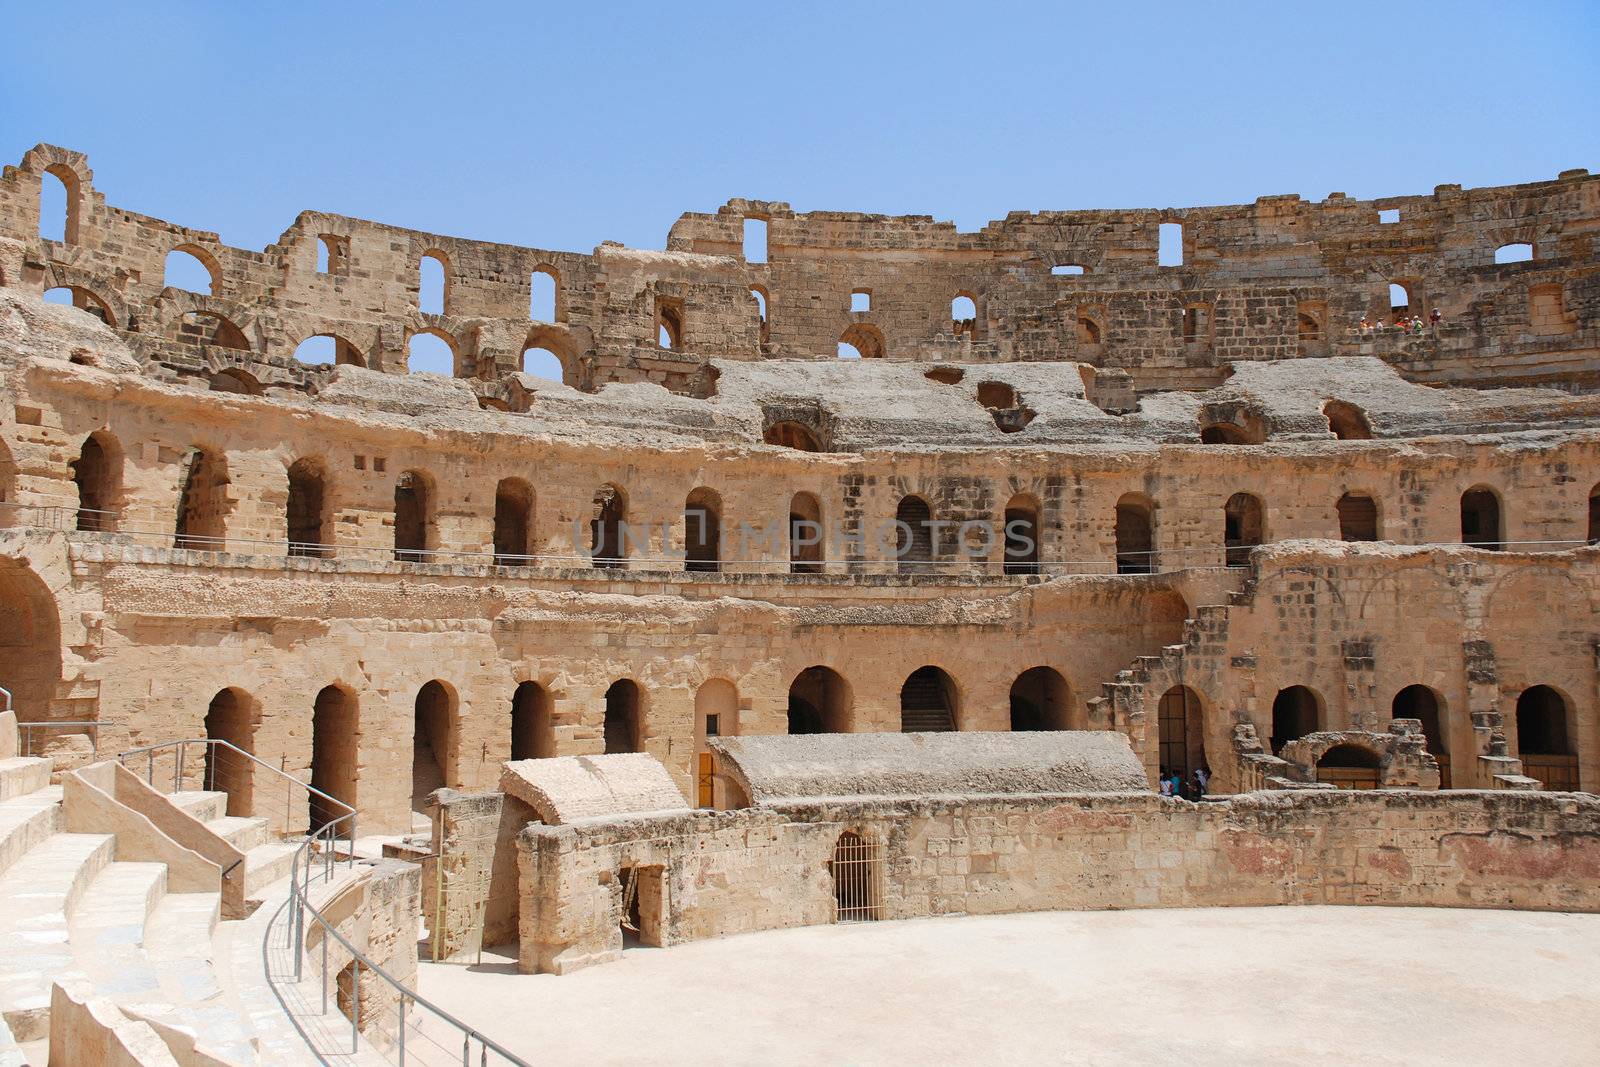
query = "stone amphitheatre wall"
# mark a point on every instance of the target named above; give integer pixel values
(1277, 279)
(713, 874)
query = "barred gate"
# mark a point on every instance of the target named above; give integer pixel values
(857, 874)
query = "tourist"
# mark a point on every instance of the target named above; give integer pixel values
(1166, 785)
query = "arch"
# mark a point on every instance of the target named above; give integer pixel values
(83, 299)
(541, 362)
(820, 702)
(235, 380)
(1296, 711)
(307, 516)
(1480, 518)
(669, 323)
(1040, 700)
(928, 702)
(433, 283)
(1226, 433)
(791, 434)
(60, 201)
(1243, 527)
(1515, 252)
(914, 549)
(232, 717)
(544, 295)
(623, 721)
(702, 531)
(806, 534)
(964, 315)
(322, 349)
(192, 269)
(1423, 704)
(1358, 517)
(203, 503)
(1180, 733)
(434, 742)
(97, 472)
(30, 641)
(431, 351)
(762, 301)
(856, 873)
(210, 328)
(1088, 327)
(414, 530)
(513, 523)
(1399, 298)
(1022, 535)
(1594, 514)
(335, 748)
(607, 527)
(866, 339)
(1545, 738)
(716, 714)
(1349, 767)
(1346, 421)
(1135, 533)
(1307, 328)
(533, 734)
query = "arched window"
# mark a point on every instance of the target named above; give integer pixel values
(927, 702)
(543, 363)
(532, 724)
(1243, 527)
(607, 527)
(702, 531)
(58, 204)
(1521, 252)
(413, 517)
(964, 316)
(1296, 711)
(1349, 767)
(76, 296)
(669, 323)
(1226, 433)
(205, 328)
(866, 340)
(187, 271)
(1421, 703)
(1545, 738)
(513, 523)
(848, 351)
(433, 743)
(856, 873)
(914, 548)
(791, 434)
(1022, 535)
(1358, 517)
(232, 718)
(820, 702)
(306, 513)
(1040, 700)
(755, 240)
(203, 503)
(622, 722)
(1346, 421)
(759, 296)
(430, 352)
(97, 472)
(1134, 530)
(433, 284)
(335, 743)
(805, 534)
(1480, 519)
(543, 301)
(1399, 298)
(1181, 732)
(320, 350)
(716, 714)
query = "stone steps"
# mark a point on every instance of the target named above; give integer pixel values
(108, 930)
(180, 948)
(204, 804)
(266, 865)
(27, 821)
(21, 775)
(241, 832)
(37, 898)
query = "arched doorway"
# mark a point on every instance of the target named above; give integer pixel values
(716, 714)
(820, 702)
(1544, 738)
(805, 534)
(1358, 517)
(1180, 731)
(1243, 527)
(1349, 767)
(335, 743)
(914, 548)
(1296, 711)
(927, 702)
(607, 526)
(30, 641)
(513, 523)
(433, 743)
(622, 732)
(1022, 536)
(306, 514)
(1040, 700)
(702, 531)
(532, 729)
(203, 502)
(1134, 530)
(1480, 519)
(413, 517)
(1420, 702)
(97, 472)
(232, 717)
(856, 875)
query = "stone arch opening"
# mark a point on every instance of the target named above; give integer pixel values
(806, 546)
(192, 269)
(431, 351)
(1243, 527)
(866, 339)
(1022, 535)
(30, 641)
(928, 702)
(306, 512)
(1594, 514)
(1180, 733)
(433, 283)
(820, 702)
(544, 295)
(759, 297)
(322, 349)
(791, 434)
(85, 300)
(513, 523)
(1296, 711)
(235, 380)
(1346, 421)
(1135, 521)
(434, 742)
(210, 328)
(1422, 703)
(669, 323)
(702, 531)
(1480, 519)
(964, 315)
(97, 472)
(532, 722)
(1349, 767)
(414, 538)
(1358, 517)
(1040, 700)
(623, 720)
(60, 200)
(856, 873)
(1545, 733)
(607, 526)
(1226, 433)
(1515, 252)
(232, 717)
(335, 745)
(716, 714)
(914, 547)
(203, 503)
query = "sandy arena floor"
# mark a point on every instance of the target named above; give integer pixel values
(1402, 986)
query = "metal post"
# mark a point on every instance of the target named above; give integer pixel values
(355, 1005)
(177, 768)
(402, 1030)
(466, 1050)
(150, 771)
(324, 972)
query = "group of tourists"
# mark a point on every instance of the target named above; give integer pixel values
(1194, 787)
(1406, 324)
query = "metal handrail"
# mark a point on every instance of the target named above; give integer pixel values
(26, 729)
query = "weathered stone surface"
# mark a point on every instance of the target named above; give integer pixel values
(572, 788)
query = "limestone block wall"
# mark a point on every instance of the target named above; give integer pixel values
(716, 874)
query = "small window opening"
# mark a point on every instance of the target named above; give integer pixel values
(755, 240)
(805, 534)
(1169, 245)
(1134, 536)
(428, 353)
(432, 292)
(543, 363)
(621, 727)
(861, 300)
(513, 523)
(57, 208)
(1358, 517)
(1480, 519)
(1242, 528)
(188, 272)
(669, 323)
(1389, 216)
(542, 296)
(1296, 711)
(1399, 297)
(1514, 253)
(1065, 270)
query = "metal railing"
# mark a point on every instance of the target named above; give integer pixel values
(28, 730)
